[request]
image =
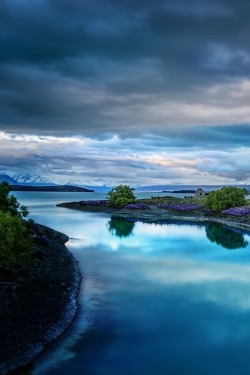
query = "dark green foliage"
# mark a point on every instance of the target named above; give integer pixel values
(15, 242)
(226, 197)
(121, 195)
(120, 227)
(8, 203)
(228, 238)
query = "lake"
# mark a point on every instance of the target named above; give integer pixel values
(155, 299)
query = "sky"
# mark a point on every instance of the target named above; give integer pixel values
(141, 92)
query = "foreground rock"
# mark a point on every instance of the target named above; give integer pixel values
(39, 305)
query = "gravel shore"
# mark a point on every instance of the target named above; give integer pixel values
(37, 307)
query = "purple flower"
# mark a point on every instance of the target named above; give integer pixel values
(237, 211)
(180, 207)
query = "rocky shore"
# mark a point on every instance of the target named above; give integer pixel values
(39, 305)
(157, 214)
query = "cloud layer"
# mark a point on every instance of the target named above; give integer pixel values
(115, 160)
(163, 76)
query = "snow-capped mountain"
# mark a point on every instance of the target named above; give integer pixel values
(40, 180)
(5, 177)
(28, 179)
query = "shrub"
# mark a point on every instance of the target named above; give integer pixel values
(9, 203)
(121, 195)
(225, 198)
(15, 242)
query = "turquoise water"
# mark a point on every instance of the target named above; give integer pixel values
(155, 299)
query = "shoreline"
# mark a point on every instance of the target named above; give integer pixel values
(36, 311)
(159, 215)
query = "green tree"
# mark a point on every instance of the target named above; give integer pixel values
(15, 240)
(121, 195)
(9, 203)
(15, 243)
(226, 197)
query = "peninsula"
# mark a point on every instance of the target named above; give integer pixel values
(121, 202)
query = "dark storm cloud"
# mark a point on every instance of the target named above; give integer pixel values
(94, 67)
(46, 32)
(215, 137)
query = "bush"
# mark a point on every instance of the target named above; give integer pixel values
(121, 195)
(9, 203)
(225, 198)
(15, 242)
(15, 239)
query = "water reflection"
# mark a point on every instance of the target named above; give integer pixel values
(228, 238)
(120, 227)
(150, 321)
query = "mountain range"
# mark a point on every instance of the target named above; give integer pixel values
(27, 179)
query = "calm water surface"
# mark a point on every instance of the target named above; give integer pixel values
(155, 299)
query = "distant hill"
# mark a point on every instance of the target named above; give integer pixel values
(98, 189)
(54, 188)
(182, 191)
(179, 188)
